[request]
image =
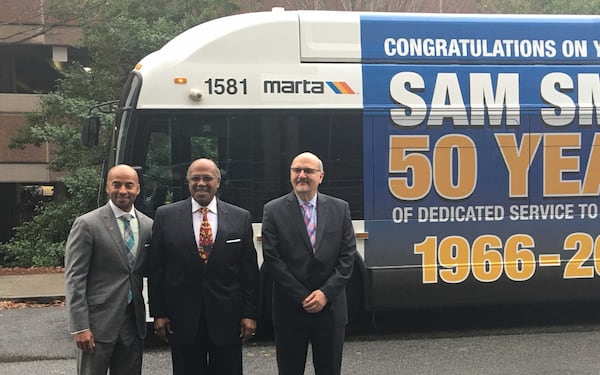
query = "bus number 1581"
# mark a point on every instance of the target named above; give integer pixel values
(229, 86)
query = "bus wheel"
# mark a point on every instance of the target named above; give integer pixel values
(354, 296)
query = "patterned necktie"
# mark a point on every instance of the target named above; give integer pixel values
(129, 243)
(128, 239)
(205, 239)
(307, 209)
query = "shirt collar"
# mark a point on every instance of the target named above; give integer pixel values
(119, 212)
(212, 206)
(312, 201)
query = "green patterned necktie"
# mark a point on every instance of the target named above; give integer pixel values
(128, 239)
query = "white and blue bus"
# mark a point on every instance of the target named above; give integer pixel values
(467, 145)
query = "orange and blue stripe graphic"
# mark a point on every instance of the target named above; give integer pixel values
(340, 87)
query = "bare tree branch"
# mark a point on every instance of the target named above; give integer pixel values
(441, 6)
(30, 23)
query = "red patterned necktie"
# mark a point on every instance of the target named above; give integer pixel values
(205, 241)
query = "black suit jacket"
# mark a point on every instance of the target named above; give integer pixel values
(296, 270)
(181, 285)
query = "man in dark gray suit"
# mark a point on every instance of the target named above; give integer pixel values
(203, 277)
(309, 249)
(104, 266)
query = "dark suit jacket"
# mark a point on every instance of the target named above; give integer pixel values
(296, 271)
(98, 277)
(181, 285)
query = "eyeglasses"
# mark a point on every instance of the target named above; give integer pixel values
(305, 170)
(205, 178)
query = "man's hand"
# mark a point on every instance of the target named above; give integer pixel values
(247, 329)
(85, 340)
(162, 328)
(314, 302)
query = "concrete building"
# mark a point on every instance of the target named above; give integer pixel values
(32, 48)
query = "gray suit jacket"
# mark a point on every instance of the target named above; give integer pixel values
(98, 276)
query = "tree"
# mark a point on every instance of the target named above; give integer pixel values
(441, 6)
(364, 5)
(540, 6)
(117, 34)
(358, 5)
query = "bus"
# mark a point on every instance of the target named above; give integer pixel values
(467, 145)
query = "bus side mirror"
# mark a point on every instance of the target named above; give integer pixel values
(90, 131)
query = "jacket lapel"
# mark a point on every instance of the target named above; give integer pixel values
(222, 220)
(322, 208)
(110, 223)
(186, 215)
(144, 227)
(295, 212)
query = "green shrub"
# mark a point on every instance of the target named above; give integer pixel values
(41, 241)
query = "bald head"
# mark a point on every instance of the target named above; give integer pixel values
(306, 174)
(122, 186)
(204, 178)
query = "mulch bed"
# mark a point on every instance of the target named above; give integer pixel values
(11, 305)
(29, 270)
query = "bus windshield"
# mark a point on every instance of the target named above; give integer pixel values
(252, 149)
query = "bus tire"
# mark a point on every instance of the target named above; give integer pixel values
(354, 295)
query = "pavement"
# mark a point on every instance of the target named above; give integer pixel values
(45, 287)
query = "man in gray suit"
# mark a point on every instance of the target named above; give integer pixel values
(104, 266)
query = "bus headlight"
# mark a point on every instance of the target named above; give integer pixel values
(195, 94)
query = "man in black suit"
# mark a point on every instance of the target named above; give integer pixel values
(309, 248)
(203, 295)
